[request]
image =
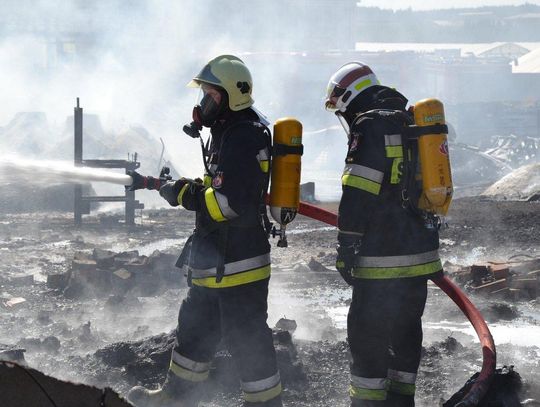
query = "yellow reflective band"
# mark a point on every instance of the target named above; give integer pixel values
(375, 273)
(188, 375)
(361, 183)
(363, 84)
(394, 151)
(265, 165)
(395, 176)
(213, 206)
(244, 277)
(207, 181)
(263, 396)
(367, 394)
(181, 194)
(406, 389)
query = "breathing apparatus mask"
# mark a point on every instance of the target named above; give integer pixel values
(212, 102)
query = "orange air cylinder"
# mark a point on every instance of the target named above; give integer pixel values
(286, 167)
(434, 159)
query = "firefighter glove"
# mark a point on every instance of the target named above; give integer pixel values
(170, 191)
(345, 262)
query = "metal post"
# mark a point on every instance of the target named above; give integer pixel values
(130, 208)
(130, 195)
(78, 154)
(538, 119)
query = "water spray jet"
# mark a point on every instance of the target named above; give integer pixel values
(44, 171)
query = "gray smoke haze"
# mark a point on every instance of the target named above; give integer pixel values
(129, 63)
(423, 5)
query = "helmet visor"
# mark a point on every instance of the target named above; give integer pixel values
(210, 100)
(332, 99)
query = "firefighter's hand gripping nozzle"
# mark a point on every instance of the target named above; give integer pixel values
(286, 164)
(148, 182)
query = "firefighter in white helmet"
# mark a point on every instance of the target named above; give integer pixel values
(228, 256)
(387, 249)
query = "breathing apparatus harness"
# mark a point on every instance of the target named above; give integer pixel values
(410, 187)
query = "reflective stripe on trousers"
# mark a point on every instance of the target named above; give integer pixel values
(235, 273)
(262, 390)
(384, 267)
(188, 369)
(402, 382)
(368, 388)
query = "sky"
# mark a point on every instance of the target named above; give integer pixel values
(427, 5)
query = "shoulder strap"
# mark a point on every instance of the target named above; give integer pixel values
(395, 117)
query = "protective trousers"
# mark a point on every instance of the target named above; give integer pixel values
(385, 337)
(238, 315)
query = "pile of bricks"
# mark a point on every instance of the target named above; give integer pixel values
(513, 281)
(104, 272)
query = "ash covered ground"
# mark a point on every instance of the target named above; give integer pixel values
(84, 338)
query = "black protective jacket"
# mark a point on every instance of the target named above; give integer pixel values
(230, 246)
(392, 241)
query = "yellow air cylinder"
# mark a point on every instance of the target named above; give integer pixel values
(286, 167)
(434, 159)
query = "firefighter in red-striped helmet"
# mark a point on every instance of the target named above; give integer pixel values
(343, 88)
(386, 249)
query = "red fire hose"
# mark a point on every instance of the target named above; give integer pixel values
(481, 384)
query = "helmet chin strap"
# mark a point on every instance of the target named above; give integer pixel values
(346, 119)
(344, 123)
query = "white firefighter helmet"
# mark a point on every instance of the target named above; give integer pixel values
(231, 74)
(348, 82)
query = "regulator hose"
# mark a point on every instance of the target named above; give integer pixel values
(480, 386)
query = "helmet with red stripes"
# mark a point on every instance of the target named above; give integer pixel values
(348, 82)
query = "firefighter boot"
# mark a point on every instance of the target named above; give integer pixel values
(400, 400)
(275, 402)
(371, 403)
(175, 392)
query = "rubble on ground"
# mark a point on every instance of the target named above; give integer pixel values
(503, 391)
(104, 273)
(45, 244)
(145, 362)
(520, 184)
(12, 353)
(514, 281)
